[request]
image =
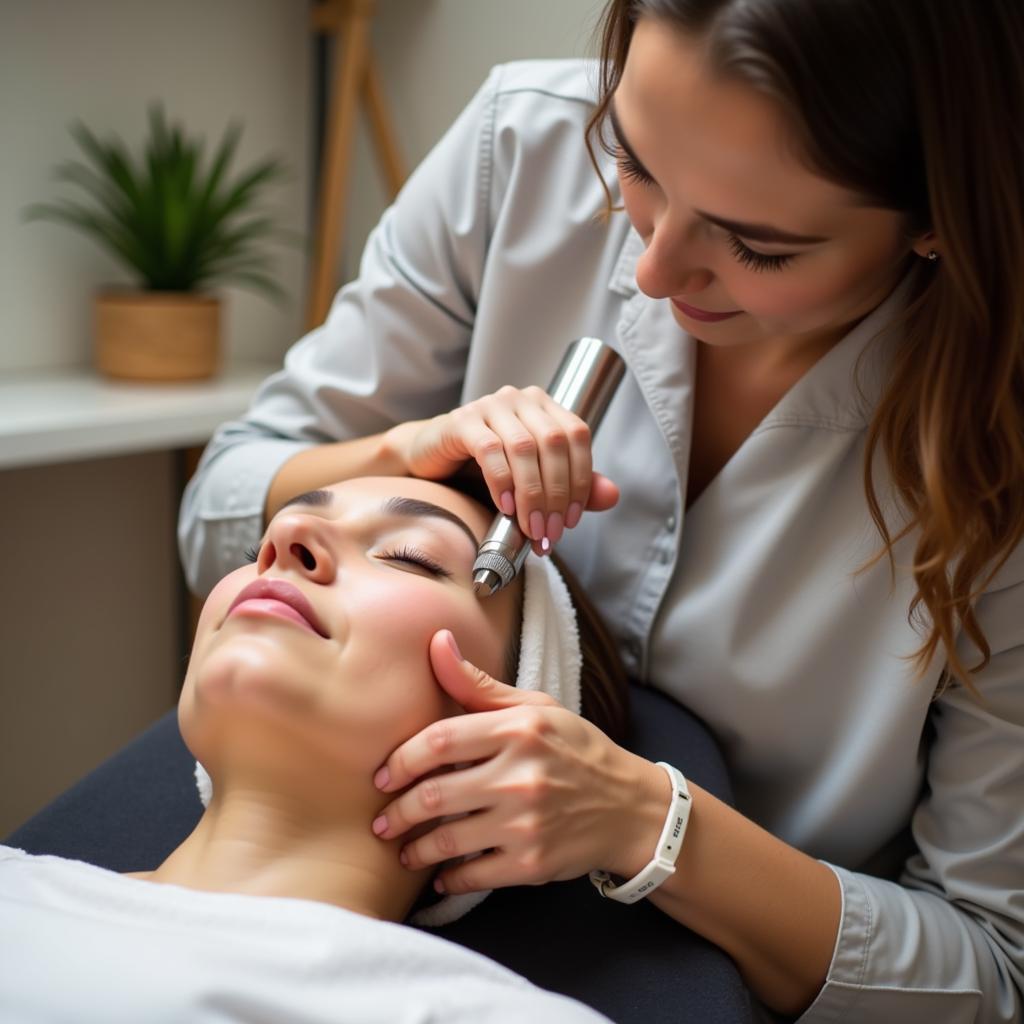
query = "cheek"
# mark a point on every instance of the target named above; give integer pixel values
(214, 609)
(834, 286)
(386, 690)
(388, 655)
(219, 600)
(833, 291)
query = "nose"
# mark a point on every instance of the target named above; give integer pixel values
(298, 543)
(672, 264)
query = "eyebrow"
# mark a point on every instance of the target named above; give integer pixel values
(755, 232)
(410, 508)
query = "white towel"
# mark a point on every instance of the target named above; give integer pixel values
(549, 661)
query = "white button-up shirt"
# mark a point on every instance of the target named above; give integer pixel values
(747, 606)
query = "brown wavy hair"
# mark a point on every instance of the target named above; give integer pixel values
(918, 106)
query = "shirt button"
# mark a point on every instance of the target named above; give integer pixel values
(670, 524)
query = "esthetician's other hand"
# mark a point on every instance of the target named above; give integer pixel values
(547, 794)
(535, 457)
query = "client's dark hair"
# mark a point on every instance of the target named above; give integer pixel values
(604, 682)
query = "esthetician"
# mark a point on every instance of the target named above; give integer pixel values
(817, 283)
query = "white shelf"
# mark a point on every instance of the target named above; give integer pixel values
(67, 415)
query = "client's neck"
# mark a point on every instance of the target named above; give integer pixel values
(299, 838)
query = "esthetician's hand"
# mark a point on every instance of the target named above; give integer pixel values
(547, 794)
(535, 457)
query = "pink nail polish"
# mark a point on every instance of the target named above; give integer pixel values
(573, 514)
(536, 525)
(439, 886)
(380, 824)
(555, 527)
(403, 858)
(508, 503)
(382, 778)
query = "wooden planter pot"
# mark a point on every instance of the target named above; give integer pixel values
(157, 335)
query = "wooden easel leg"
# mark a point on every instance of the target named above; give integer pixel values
(349, 74)
(383, 128)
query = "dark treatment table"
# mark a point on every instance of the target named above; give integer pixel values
(630, 962)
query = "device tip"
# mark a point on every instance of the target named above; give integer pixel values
(485, 582)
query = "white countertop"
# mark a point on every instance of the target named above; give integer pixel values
(69, 414)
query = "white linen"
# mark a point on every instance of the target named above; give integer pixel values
(79, 943)
(744, 606)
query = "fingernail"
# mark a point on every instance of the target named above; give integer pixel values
(555, 527)
(380, 824)
(454, 646)
(545, 545)
(572, 514)
(536, 524)
(439, 886)
(403, 858)
(508, 503)
(382, 778)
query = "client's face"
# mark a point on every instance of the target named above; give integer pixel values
(326, 634)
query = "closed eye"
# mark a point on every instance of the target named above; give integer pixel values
(630, 169)
(413, 556)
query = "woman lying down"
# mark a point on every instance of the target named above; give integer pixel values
(309, 668)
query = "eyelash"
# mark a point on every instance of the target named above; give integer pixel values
(403, 554)
(756, 261)
(415, 557)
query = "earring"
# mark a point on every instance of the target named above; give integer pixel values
(932, 255)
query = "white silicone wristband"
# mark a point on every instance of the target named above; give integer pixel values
(669, 844)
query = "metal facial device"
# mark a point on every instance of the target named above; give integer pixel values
(584, 384)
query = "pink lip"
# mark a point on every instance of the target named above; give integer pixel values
(703, 314)
(277, 598)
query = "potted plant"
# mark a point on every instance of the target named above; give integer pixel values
(181, 228)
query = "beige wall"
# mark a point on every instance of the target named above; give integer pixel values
(103, 61)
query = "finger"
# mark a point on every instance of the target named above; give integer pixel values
(604, 494)
(450, 839)
(553, 456)
(581, 466)
(460, 739)
(475, 435)
(494, 870)
(522, 454)
(438, 796)
(471, 687)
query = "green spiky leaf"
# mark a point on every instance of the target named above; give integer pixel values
(178, 221)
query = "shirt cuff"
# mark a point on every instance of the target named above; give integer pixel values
(849, 995)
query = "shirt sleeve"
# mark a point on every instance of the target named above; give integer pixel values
(946, 943)
(393, 347)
